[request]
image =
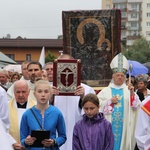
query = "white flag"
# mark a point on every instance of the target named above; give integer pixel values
(42, 57)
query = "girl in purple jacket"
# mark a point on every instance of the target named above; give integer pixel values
(93, 132)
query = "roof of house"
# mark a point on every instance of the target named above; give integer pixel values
(5, 60)
(19, 42)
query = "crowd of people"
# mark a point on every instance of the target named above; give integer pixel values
(117, 118)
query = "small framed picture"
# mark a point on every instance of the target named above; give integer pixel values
(66, 75)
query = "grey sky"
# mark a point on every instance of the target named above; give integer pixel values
(38, 18)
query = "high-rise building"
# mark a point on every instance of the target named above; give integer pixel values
(135, 18)
(107, 4)
(146, 19)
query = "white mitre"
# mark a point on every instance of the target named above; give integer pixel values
(119, 64)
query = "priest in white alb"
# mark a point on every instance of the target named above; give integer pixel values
(120, 104)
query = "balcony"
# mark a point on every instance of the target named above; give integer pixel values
(134, 1)
(123, 38)
(133, 37)
(123, 9)
(133, 28)
(133, 10)
(134, 19)
(119, 1)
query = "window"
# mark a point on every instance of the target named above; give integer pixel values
(134, 6)
(12, 56)
(147, 33)
(121, 6)
(133, 15)
(133, 24)
(134, 33)
(107, 6)
(148, 5)
(123, 35)
(148, 15)
(123, 25)
(28, 57)
(123, 14)
(148, 24)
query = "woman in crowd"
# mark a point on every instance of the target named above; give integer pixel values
(15, 76)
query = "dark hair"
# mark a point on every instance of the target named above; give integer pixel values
(90, 98)
(34, 63)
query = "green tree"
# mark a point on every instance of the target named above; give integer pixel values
(139, 51)
(50, 57)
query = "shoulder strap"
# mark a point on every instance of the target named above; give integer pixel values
(36, 118)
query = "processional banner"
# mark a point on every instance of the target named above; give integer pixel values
(93, 36)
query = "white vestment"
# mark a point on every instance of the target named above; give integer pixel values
(130, 115)
(31, 87)
(4, 113)
(142, 132)
(6, 140)
(10, 92)
(69, 106)
(15, 115)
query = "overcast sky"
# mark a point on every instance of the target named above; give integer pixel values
(38, 18)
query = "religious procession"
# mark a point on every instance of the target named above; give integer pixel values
(91, 97)
(31, 105)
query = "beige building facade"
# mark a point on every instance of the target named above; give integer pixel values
(20, 49)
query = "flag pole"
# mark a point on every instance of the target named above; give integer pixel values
(130, 72)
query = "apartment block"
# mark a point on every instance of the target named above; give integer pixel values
(135, 18)
(146, 19)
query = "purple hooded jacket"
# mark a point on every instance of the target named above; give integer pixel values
(93, 134)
